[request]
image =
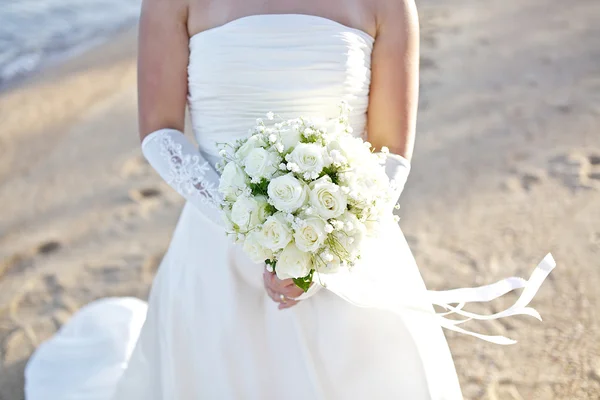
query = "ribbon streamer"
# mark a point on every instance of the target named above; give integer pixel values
(397, 287)
(491, 292)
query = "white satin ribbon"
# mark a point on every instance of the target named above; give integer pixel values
(488, 293)
(376, 283)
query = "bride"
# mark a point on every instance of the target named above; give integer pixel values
(217, 325)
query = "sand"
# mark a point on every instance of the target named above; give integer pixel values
(506, 169)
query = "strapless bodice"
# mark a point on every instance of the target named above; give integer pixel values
(293, 65)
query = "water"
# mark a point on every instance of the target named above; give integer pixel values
(34, 33)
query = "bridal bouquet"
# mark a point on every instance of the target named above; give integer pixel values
(300, 195)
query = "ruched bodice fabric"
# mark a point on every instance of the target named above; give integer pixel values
(292, 65)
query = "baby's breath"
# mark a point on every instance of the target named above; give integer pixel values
(344, 161)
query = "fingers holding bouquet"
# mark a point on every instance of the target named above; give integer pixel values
(280, 291)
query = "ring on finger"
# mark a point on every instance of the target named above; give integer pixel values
(282, 298)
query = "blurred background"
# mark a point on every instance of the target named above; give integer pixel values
(37, 33)
(506, 169)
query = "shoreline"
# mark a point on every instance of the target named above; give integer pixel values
(64, 56)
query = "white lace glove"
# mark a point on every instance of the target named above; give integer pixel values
(397, 169)
(182, 166)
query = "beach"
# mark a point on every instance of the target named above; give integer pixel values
(506, 169)
(63, 29)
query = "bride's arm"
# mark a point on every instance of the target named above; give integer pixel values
(163, 54)
(393, 98)
(392, 113)
(162, 65)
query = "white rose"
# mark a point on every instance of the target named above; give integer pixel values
(309, 158)
(353, 149)
(289, 137)
(287, 193)
(351, 223)
(366, 185)
(263, 208)
(260, 163)
(254, 249)
(233, 181)
(245, 213)
(311, 235)
(276, 232)
(253, 142)
(374, 178)
(349, 243)
(327, 199)
(293, 263)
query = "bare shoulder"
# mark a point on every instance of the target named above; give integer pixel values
(168, 6)
(158, 13)
(207, 14)
(397, 16)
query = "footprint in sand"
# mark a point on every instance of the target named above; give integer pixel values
(529, 180)
(577, 169)
(52, 284)
(115, 272)
(14, 263)
(18, 262)
(143, 194)
(427, 63)
(594, 173)
(48, 247)
(146, 199)
(524, 181)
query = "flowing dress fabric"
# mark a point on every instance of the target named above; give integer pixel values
(211, 332)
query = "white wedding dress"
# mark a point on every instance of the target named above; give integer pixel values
(211, 332)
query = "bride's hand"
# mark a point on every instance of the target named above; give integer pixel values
(282, 292)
